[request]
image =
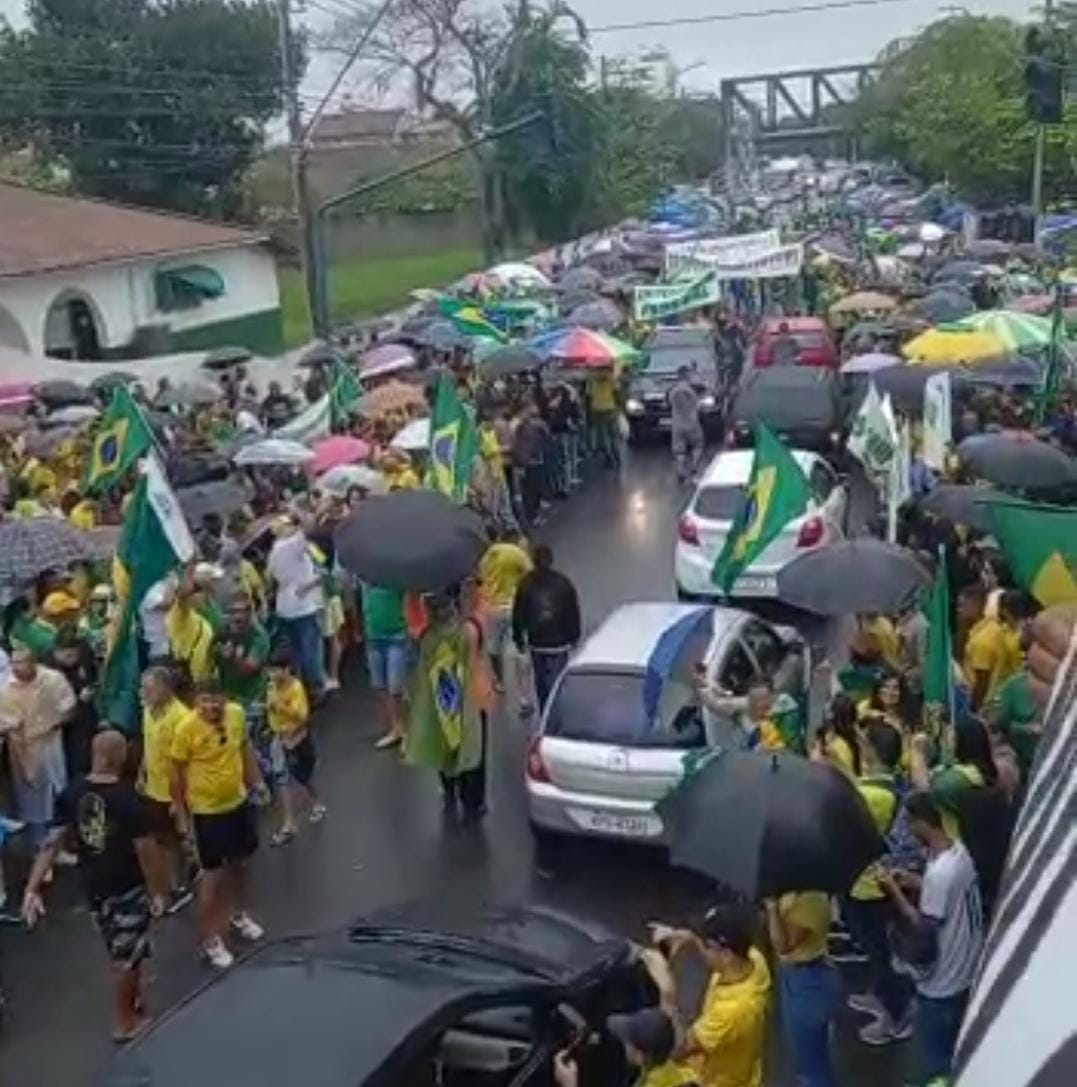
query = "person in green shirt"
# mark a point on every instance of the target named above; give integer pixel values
(241, 653)
(1013, 713)
(386, 632)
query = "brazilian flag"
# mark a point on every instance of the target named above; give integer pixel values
(454, 442)
(345, 392)
(1040, 546)
(777, 492)
(122, 436)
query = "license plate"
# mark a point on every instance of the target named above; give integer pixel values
(755, 583)
(624, 826)
(664, 424)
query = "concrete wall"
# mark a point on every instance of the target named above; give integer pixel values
(122, 300)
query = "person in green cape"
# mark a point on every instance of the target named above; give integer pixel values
(447, 716)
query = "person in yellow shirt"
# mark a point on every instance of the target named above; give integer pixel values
(190, 635)
(649, 1039)
(886, 637)
(288, 717)
(725, 1044)
(865, 909)
(398, 471)
(604, 404)
(799, 923)
(84, 514)
(504, 564)
(213, 769)
(161, 712)
(993, 647)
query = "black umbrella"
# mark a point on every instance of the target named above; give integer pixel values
(991, 250)
(224, 358)
(222, 498)
(575, 298)
(511, 359)
(959, 271)
(581, 279)
(962, 503)
(321, 354)
(765, 823)
(942, 306)
(112, 379)
(440, 335)
(1014, 458)
(855, 576)
(190, 469)
(411, 540)
(601, 316)
(58, 394)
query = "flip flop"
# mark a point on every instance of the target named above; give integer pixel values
(282, 837)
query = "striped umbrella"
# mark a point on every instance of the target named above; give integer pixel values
(1017, 331)
(583, 348)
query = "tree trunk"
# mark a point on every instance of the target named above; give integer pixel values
(491, 208)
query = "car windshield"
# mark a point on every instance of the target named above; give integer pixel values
(810, 340)
(719, 503)
(668, 360)
(607, 708)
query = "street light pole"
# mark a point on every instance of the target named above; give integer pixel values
(1041, 142)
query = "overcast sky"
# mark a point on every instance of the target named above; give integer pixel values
(736, 47)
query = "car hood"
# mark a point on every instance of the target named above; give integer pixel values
(351, 1008)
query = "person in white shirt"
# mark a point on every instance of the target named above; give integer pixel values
(153, 616)
(299, 598)
(946, 927)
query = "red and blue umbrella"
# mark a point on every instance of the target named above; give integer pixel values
(583, 348)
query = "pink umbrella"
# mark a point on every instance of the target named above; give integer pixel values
(1039, 304)
(386, 358)
(16, 395)
(340, 449)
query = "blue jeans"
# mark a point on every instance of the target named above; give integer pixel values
(305, 638)
(607, 441)
(938, 1022)
(569, 446)
(810, 994)
(547, 666)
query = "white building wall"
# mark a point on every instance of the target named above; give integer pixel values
(122, 295)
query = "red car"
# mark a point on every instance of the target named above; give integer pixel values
(794, 341)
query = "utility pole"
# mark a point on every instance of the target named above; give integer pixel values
(297, 149)
(1041, 142)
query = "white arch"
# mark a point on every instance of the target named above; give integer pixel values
(11, 333)
(57, 334)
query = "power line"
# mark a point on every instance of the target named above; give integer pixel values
(736, 16)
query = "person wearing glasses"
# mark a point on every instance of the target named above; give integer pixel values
(214, 775)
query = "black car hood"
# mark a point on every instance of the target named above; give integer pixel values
(352, 1008)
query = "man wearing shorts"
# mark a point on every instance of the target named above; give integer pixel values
(686, 431)
(213, 769)
(103, 818)
(386, 631)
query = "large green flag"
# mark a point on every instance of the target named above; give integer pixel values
(122, 436)
(777, 492)
(1040, 545)
(154, 541)
(345, 392)
(939, 652)
(454, 442)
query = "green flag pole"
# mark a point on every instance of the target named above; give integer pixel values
(1051, 375)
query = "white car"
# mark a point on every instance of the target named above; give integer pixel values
(597, 766)
(705, 524)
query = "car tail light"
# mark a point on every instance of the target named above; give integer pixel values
(536, 767)
(811, 532)
(688, 531)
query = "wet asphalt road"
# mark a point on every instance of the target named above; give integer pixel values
(385, 840)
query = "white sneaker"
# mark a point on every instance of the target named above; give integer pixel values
(216, 954)
(317, 813)
(331, 685)
(867, 1003)
(247, 927)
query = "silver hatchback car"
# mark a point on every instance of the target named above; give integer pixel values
(596, 766)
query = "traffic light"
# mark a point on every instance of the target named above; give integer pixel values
(1043, 80)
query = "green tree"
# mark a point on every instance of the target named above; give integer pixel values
(158, 102)
(950, 104)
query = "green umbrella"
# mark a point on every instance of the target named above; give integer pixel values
(1017, 331)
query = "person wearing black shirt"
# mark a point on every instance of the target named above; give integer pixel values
(102, 816)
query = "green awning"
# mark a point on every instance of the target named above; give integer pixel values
(191, 285)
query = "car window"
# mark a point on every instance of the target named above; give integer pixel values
(737, 670)
(765, 646)
(822, 481)
(608, 708)
(719, 503)
(809, 341)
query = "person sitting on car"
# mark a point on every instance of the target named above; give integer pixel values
(768, 721)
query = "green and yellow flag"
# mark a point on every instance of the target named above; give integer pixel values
(122, 436)
(470, 319)
(454, 442)
(1040, 546)
(777, 492)
(345, 392)
(939, 651)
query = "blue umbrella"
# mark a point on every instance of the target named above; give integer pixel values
(693, 629)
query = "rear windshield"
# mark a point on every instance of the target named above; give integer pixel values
(608, 709)
(809, 341)
(719, 503)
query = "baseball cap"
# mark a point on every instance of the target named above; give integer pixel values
(649, 1030)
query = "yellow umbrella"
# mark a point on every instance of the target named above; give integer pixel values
(938, 347)
(863, 302)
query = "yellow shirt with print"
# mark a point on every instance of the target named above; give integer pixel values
(213, 757)
(731, 1029)
(994, 648)
(158, 728)
(190, 638)
(490, 448)
(501, 569)
(810, 912)
(287, 708)
(603, 393)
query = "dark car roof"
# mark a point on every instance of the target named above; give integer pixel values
(351, 1008)
(787, 397)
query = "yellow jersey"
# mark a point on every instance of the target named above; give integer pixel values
(879, 795)
(190, 638)
(603, 392)
(158, 728)
(731, 1029)
(994, 648)
(501, 569)
(810, 912)
(213, 757)
(287, 707)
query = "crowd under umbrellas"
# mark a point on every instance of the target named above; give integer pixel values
(360, 454)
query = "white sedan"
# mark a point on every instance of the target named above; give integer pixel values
(705, 524)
